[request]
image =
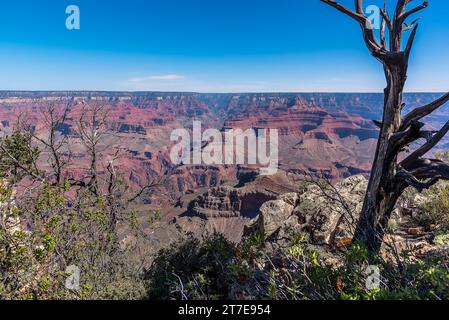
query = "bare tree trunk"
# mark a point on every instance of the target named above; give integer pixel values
(381, 196)
(91, 128)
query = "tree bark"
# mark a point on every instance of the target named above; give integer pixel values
(381, 196)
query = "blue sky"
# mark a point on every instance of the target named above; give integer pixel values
(206, 46)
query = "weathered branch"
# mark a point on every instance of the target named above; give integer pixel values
(410, 26)
(424, 173)
(358, 16)
(386, 18)
(430, 168)
(386, 24)
(401, 5)
(424, 111)
(365, 24)
(427, 146)
(397, 26)
(149, 187)
(91, 128)
(407, 14)
(359, 6)
(410, 41)
(378, 123)
(383, 39)
(427, 135)
(403, 138)
(412, 181)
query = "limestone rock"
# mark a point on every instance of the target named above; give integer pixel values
(329, 213)
(290, 198)
(326, 213)
(274, 215)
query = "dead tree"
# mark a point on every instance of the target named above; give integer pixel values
(54, 116)
(91, 129)
(389, 175)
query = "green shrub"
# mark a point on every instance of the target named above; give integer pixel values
(191, 269)
(215, 269)
(435, 212)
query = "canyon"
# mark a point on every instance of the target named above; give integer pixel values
(327, 134)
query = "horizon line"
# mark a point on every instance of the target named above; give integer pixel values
(211, 92)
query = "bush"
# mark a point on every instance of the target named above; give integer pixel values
(49, 227)
(33, 261)
(435, 212)
(214, 269)
(191, 269)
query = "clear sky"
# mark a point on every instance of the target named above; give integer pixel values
(205, 46)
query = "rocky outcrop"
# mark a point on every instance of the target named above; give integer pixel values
(229, 208)
(331, 212)
(327, 213)
(228, 202)
(275, 216)
(244, 198)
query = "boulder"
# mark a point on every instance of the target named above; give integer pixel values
(275, 215)
(290, 198)
(327, 213)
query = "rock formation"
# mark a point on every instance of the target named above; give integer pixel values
(228, 202)
(326, 213)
